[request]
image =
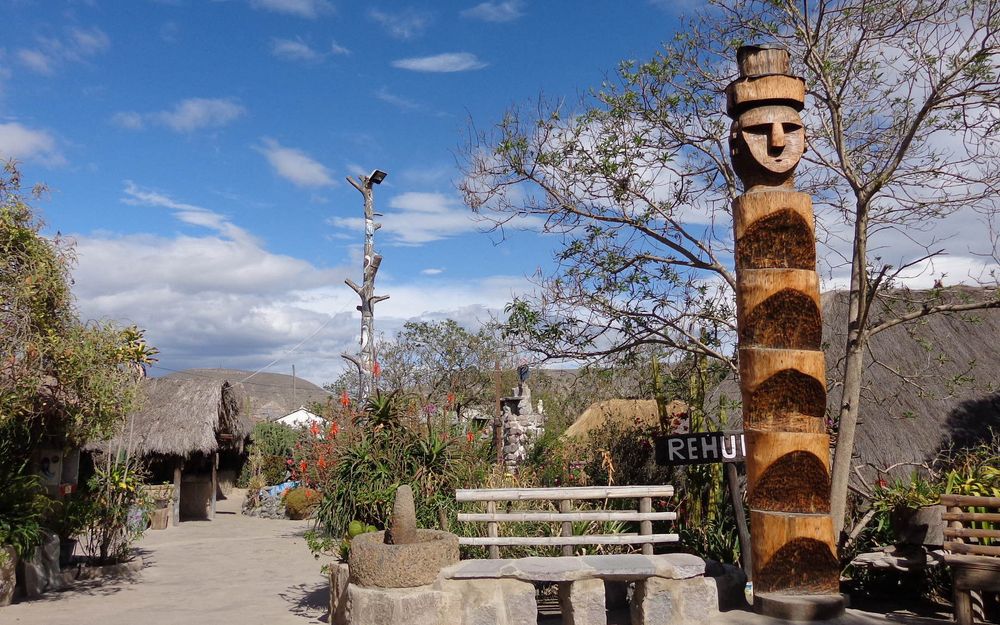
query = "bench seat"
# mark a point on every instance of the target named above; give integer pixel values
(617, 567)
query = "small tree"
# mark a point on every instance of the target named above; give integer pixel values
(902, 125)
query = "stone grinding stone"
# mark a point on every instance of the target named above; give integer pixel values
(799, 607)
(374, 563)
(403, 522)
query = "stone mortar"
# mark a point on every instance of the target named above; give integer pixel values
(374, 563)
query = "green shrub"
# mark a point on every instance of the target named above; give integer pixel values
(274, 439)
(301, 502)
(23, 506)
(274, 469)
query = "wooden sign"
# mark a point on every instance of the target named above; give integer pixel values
(703, 448)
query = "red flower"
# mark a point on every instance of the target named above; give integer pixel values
(469, 437)
(322, 463)
(376, 369)
(334, 429)
(345, 399)
(302, 466)
(314, 428)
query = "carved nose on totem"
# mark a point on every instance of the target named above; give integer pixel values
(776, 141)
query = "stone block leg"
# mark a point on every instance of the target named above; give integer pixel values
(659, 601)
(339, 575)
(583, 602)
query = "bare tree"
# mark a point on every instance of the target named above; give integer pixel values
(902, 122)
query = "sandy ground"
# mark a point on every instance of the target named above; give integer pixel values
(234, 569)
(245, 571)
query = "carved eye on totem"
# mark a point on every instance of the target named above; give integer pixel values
(774, 136)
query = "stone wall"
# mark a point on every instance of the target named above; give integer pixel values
(522, 426)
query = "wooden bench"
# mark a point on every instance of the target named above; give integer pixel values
(566, 516)
(972, 543)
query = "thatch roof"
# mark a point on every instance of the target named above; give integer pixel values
(621, 413)
(186, 412)
(270, 395)
(951, 396)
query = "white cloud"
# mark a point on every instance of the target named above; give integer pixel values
(432, 271)
(195, 113)
(294, 50)
(310, 9)
(219, 298)
(78, 45)
(129, 120)
(401, 24)
(447, 62)
(36, 60)
(336, 48)
(399, 102)
(23, 143)
(495, 11)
(421, 218)
(295, 165)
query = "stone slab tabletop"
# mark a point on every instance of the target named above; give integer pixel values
(621, 567)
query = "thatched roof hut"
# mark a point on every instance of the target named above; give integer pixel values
(268, 396)
(622, 413)
(928, 384)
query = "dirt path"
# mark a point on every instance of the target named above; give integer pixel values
(235, 569)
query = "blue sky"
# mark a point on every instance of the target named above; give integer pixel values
(196, 152)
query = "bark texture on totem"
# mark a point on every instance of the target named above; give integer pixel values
(782, 370)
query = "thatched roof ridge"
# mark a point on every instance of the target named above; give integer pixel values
(179, 417)
(951, 398)
(269, 396)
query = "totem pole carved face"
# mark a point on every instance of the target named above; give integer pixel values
(768, 142)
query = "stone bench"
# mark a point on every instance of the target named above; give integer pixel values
(668, 588)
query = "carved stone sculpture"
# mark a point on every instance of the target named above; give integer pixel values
(782, 369)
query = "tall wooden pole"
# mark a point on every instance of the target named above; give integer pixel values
(782, 369)
(365, 362)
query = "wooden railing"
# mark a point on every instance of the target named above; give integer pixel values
(566, 516)
(973, 553)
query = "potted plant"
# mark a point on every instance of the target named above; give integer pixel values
(71, 516)
(913, 510)
(8, 569)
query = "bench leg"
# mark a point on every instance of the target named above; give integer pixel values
(963, 606)
(582, 602)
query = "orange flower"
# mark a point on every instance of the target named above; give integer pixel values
(314, 428)
(322, 462)
(334, 429)
(468, 437)
(302, 466)
(345, 399)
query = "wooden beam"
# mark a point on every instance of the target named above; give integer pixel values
(571, 492)
(596, 539)
(215, 485)
(176, 513)
(559, 517)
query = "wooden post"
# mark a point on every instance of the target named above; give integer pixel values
(565, 505)
(215, 484)
(498, 417)
(491, 530)
(646, 527)
(732, 479)
(779, 334)
(175, 516)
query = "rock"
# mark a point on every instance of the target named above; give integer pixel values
(583, 602)
(40, 572)
(659, 601)
(493, 602)
(8, 577)
(403, 522)
(375, 563)
(339, 577)
(413, 606)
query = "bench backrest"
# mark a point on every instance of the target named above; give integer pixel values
(566, 516)
(975, 518)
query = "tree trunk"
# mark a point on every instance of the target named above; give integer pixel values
(853, 366)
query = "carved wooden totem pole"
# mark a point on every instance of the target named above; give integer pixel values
(782, 370)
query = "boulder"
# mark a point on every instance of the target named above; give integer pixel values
(374, 563)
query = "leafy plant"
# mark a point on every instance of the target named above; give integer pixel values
(899, 494)
(120, 508)
(23, 506)
(300, 502)
(70, 516)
